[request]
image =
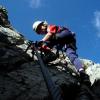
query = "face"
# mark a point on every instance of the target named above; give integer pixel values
(42, 29)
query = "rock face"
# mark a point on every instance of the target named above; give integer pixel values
(21, 77)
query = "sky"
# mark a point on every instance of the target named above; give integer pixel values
(80, 16)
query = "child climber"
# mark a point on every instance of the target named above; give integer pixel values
(62, 36)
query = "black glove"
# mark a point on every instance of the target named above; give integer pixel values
(39, 43)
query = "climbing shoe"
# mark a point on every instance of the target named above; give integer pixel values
(85, 78)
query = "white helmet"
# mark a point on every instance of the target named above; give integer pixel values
(37, 23)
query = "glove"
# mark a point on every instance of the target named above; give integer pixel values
(39, 43)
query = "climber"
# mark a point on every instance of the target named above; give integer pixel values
(65, 38)
(4, 18)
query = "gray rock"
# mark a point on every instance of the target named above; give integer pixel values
(20, 75)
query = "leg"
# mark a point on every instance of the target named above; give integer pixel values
(79, 66)
(74, 58)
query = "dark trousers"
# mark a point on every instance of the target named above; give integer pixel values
(71, 53)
